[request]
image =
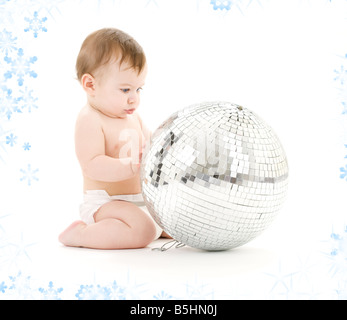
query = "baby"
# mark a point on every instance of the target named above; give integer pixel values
(109, 140)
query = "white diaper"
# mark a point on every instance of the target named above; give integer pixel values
(94, 199)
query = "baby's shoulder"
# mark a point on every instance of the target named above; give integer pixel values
(88, 117)
(88, 114)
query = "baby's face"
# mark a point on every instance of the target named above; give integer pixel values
(117, 90)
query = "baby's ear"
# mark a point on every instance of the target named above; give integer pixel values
(88, 84)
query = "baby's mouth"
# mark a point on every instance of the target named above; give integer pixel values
(130, 111)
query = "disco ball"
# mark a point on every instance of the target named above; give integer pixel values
(215, 176)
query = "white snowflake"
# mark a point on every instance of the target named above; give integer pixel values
(47, 7)
(338, 254)
(199, 291)
(26, 100)
(20, 67)
(92, 292)
(8, 104)
(36, 24)
(20, 286)
(51, 293)
(341, 75)
(7, 42)
(29, 175)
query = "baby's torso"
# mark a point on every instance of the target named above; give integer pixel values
(123, 138)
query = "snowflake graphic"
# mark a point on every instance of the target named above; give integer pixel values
(36, 24)
(221, 4)
(152, 1)
(163, 296)
(26, 146)
(3, 287)
(2, 141)
(7, 42)
(8, 103)
(342, 290)
(341, 75)
(116, 292)
(18, 252)
(338, 254)
(91, 292)
(98, 292)
(27, 100)
(344, 104)
(20, 286)
(198, 291)
(282, 283)
(11, 139)
(343, 171)
(20, 67)
(29, 175)
(51, 293)
(43, 5)
(7, 9)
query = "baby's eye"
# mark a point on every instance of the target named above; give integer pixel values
(139, 89)
(125, 90)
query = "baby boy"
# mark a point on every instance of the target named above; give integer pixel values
(109, 139)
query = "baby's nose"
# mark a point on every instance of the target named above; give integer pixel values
(132, 99)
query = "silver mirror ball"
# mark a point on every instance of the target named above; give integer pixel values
(214, 176)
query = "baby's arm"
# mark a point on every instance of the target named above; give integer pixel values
(90, 151)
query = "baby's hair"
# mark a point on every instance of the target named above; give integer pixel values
(103, 45)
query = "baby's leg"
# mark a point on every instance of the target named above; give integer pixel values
(118, 225)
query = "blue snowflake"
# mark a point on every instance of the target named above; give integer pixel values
(20, 285)
(29, 175)
(19, 252)
(20, 67)
(163, 296)
(199, 291)
(338, 254)
(51, 293)
(11, 139)
(8, 103)
(3, 287)
(282, 282)
(343, 174)
(344, 111)
(2, 141)
(36, 24)
(97, 292)
(7, 42)
(27, 100)
(117, 292)
(48, 6)
(91, 292)
(221, 4)
(7, 11)
(341, 75)
(26, 146)
(151, 1)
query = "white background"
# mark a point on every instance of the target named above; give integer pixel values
(275, 57)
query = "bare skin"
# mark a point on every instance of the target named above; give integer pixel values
(109, 140)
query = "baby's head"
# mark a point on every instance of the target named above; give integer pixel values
(104, 45)
(111, 67)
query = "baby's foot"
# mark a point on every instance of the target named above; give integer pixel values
(70, 236)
